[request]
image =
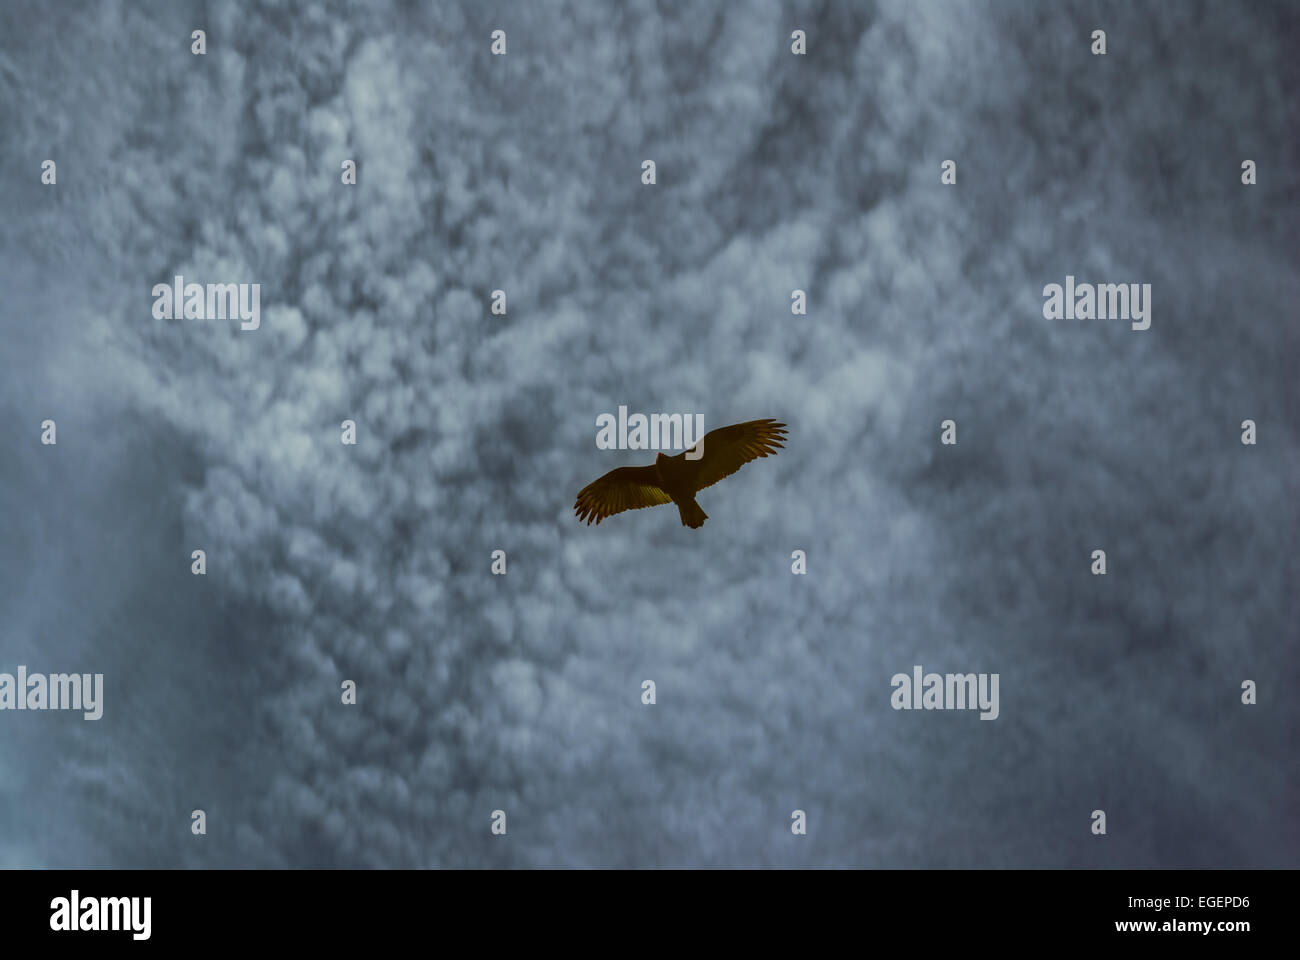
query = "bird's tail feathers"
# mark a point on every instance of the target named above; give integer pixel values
(692, 515)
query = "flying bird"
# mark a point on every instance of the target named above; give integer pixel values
(677, 479)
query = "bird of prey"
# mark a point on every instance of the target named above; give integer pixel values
(677, 479)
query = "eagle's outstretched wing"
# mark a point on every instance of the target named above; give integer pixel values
(627, 488)
(727, 449)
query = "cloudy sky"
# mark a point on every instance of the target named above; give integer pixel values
(775, 172)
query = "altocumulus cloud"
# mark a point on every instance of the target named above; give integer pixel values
(521, 692)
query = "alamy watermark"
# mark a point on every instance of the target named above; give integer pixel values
(1102, 301)
(659, 431)
(58, 691)
(947, 691)
(213, 301)
(75, 912)
(1097, 302)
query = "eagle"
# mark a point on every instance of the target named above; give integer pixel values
(677, 479)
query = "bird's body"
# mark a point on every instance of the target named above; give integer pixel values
(677, 479)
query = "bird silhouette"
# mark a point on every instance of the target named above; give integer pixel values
(677, 479)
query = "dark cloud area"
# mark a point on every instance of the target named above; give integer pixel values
(522, 692)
